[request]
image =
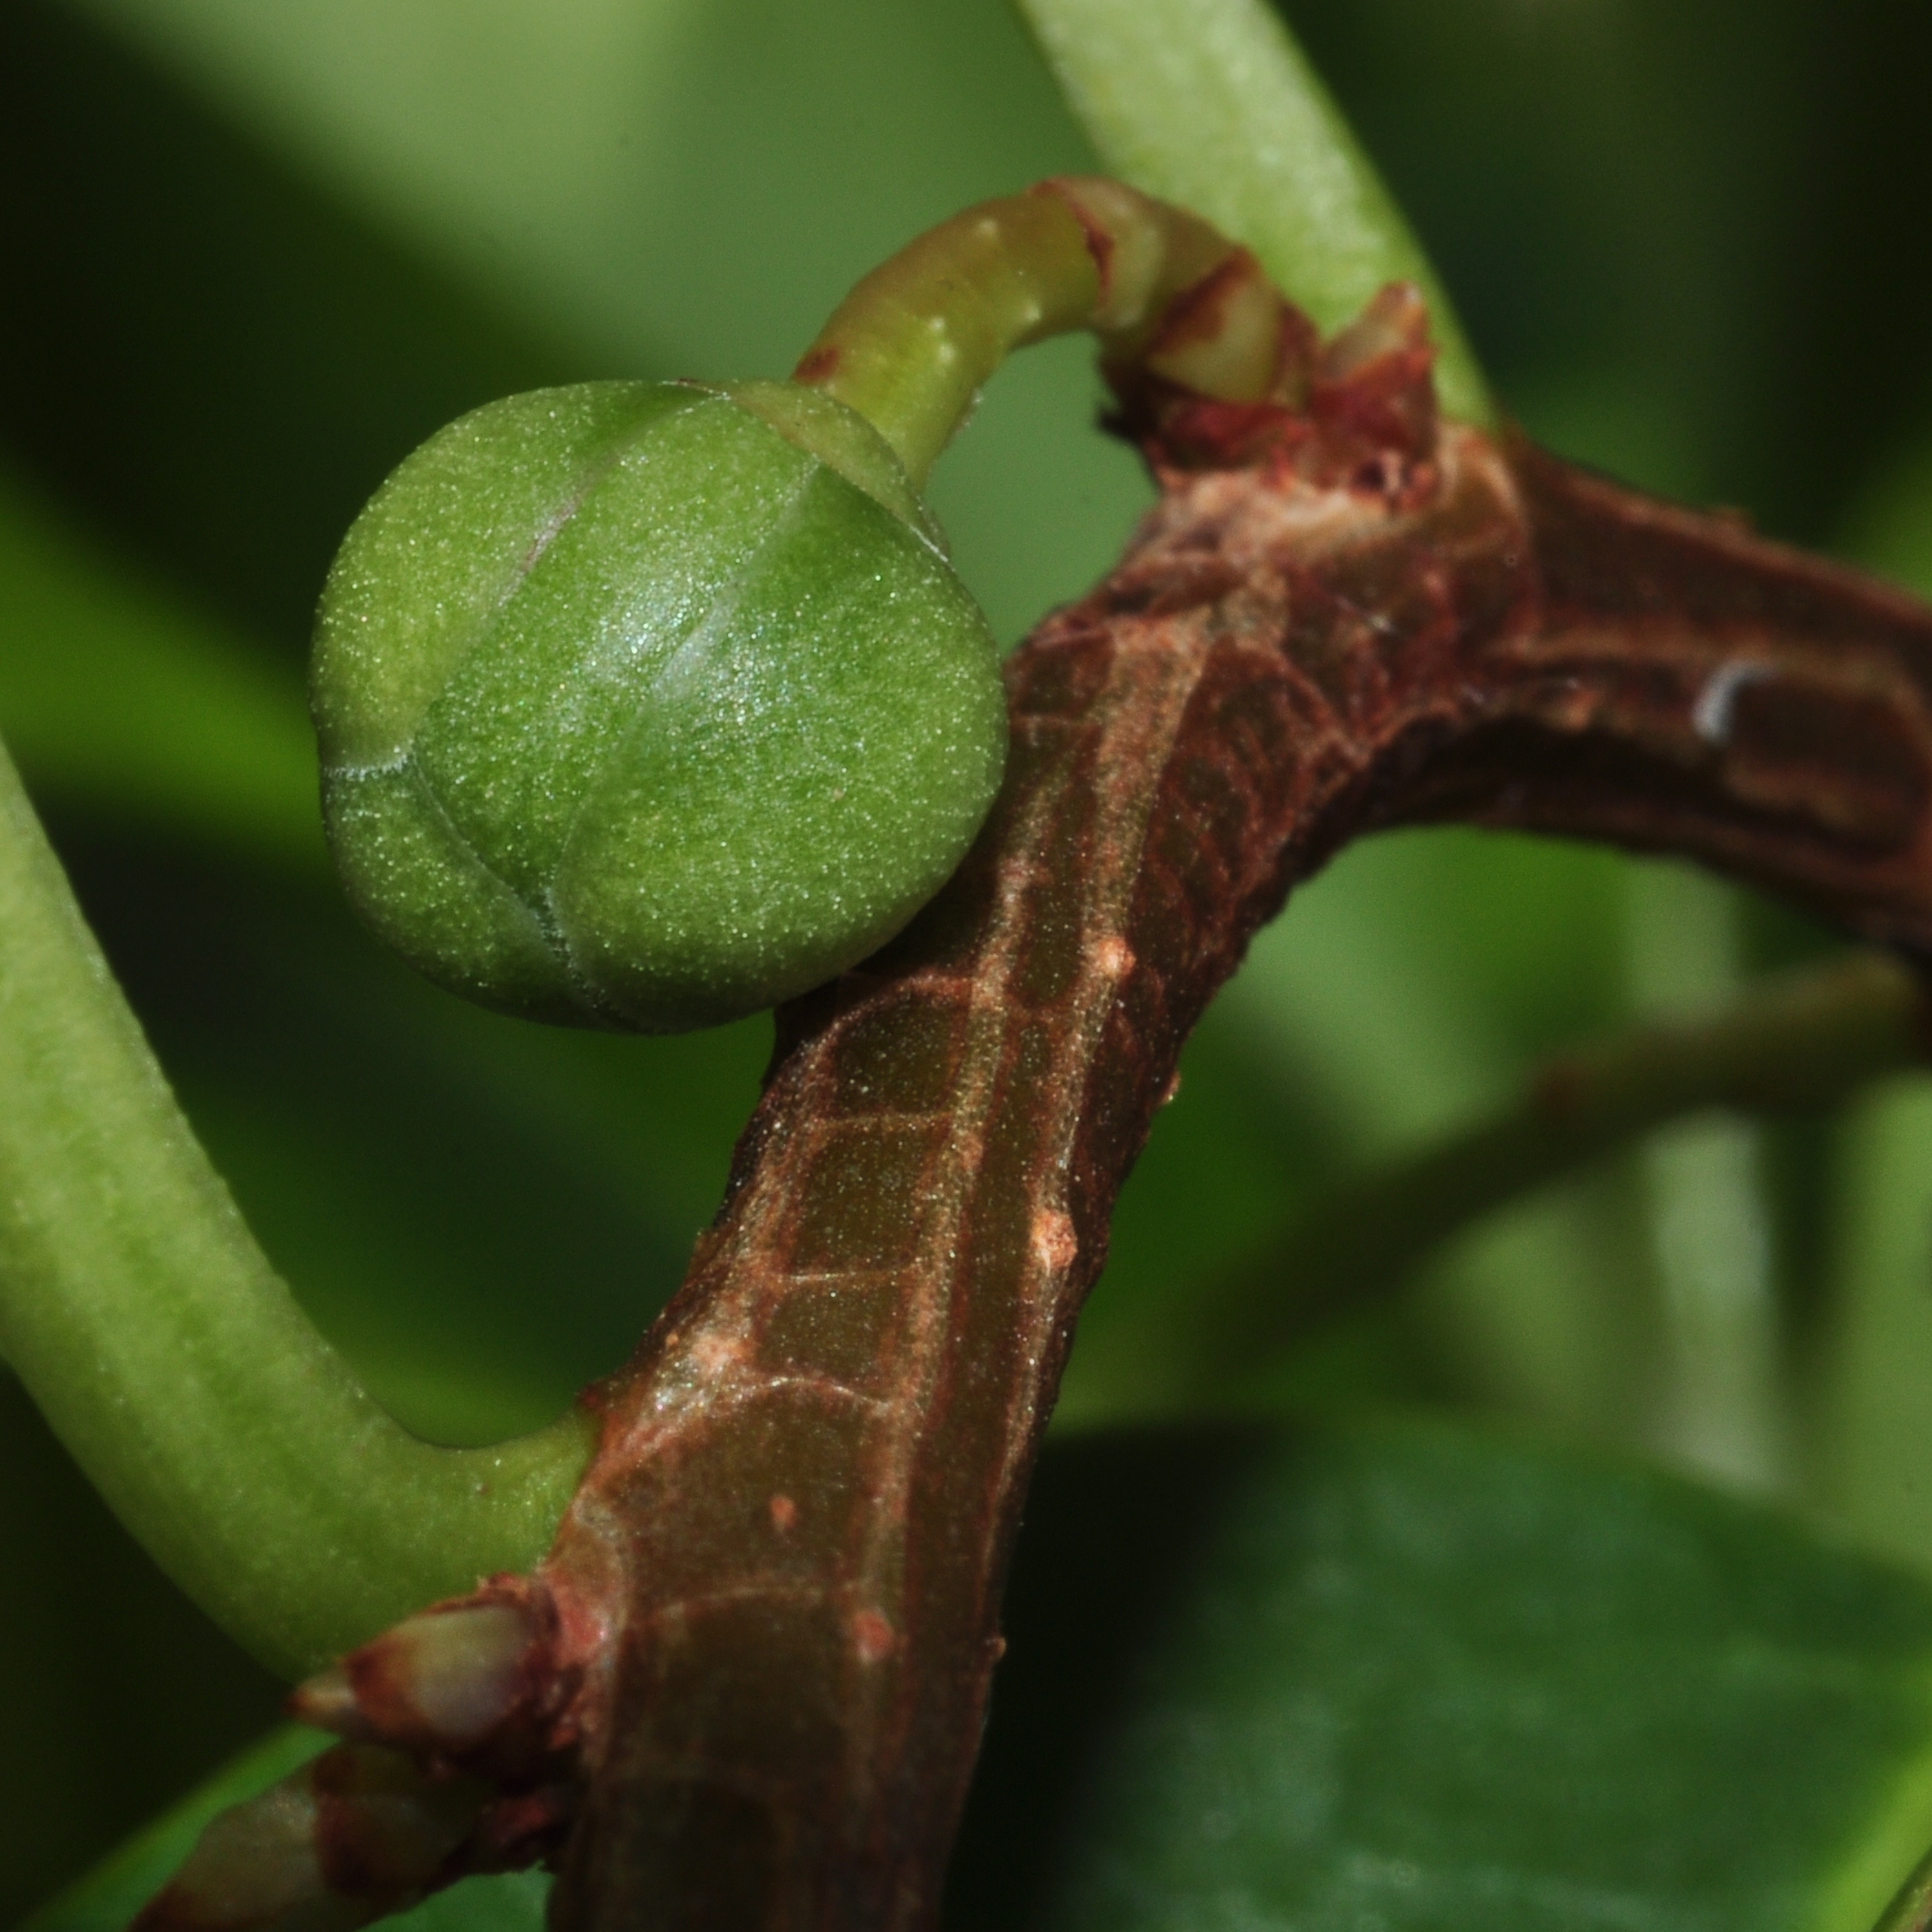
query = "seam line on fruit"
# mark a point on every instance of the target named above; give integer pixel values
(539, 910)
(676, 667)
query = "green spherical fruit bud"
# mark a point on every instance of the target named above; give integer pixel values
(648, 705)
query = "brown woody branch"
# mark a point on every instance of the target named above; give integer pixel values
(791, 1547)
(773, 1606)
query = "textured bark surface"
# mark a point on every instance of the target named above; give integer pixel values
(1686, 686)
(781, 1579)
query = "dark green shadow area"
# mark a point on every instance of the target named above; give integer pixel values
(1685, 237)
(481, 1213)
(93, 1736)
(198, 352)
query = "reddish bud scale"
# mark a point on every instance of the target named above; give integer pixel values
(471, 1685)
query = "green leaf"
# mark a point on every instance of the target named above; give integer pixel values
(1411, 1675)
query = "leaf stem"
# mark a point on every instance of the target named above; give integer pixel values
(1211, 104)
(141, 1314)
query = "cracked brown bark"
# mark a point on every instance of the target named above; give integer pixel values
(779, 1584)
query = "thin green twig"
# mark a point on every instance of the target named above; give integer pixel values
(141, 1314)
(1799, 1044)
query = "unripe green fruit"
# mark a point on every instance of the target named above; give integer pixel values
(636, 713)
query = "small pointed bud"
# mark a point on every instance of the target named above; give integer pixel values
(1394, 322)
(437, 1684)
(355, 1835)
(327, 1701)
(1374, 395)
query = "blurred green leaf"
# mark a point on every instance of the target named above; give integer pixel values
(198, 351)
(1412, 1675)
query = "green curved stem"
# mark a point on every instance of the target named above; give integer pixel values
(1211, 104)
(136, 1307)
(910, 346)
(1800, 1044)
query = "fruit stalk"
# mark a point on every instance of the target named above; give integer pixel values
(913, 344)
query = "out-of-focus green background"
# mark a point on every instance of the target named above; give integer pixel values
(253, 253)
